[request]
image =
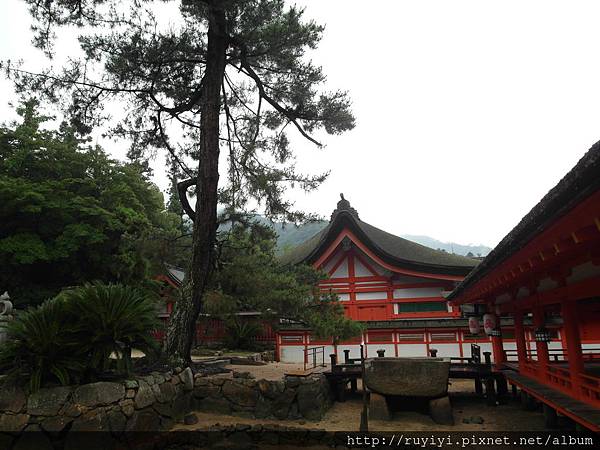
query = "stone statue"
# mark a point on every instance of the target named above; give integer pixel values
(5, 309)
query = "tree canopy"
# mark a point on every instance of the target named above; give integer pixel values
(249, 277)
(70, 214)
(229, 75)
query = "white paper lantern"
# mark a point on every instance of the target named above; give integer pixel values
(489, 323)
(474, 325)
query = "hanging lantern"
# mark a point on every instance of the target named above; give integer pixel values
(474, 325)
(489, 323)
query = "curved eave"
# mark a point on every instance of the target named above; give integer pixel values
(578, 184)
(322, 241)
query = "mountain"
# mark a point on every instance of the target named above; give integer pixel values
(450, 247)
(289, 235)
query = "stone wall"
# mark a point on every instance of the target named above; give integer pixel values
(293, 398)
(152, 403)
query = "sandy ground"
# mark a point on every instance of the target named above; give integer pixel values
(346, 416)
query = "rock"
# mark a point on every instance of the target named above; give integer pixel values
(378, 407)
(311, 402)
(181, 404)
(244, 375)
(190, 419)
(116, 421)
(13, 422)
(218, 381)
(12, 399)
(440, 411)
(214, 405)
(48, 401)
(178, 370)
(166, 392)
(145, 420)
(200, 381)
(164, 409)
(131, 384)
(101, 393)
(156, 392)
(94, 420)
(158, 378)
(292, 382)
(187, 378)
(127, 406)
(239, 394)
(206, 391)
(145, 396)
(56, 424)
(281, 405)
(130, 393)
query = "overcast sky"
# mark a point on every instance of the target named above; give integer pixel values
(468, 112)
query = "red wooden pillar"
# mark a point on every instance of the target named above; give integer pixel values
(541, 347)
(498, 347)
(573, 341)
(520, 339)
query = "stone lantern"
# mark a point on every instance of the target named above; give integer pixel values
(5, 316)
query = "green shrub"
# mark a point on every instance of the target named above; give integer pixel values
(112, 320)
(41, 348)
(78, 335)
(241, 334)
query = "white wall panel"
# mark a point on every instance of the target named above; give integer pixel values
(412, 350)
(371, 295)
(372, 350)
(292, 353)
(354, 351)
(446, 350)
(341, 271)
(417, 292)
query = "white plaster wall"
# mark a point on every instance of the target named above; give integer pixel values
(354, 351)
(341, 271)
(412, 350)
(417, 292)
(344, 297)
(360, 270)
(371, 295)
(446, 350)
(372, 350)
(292, 353)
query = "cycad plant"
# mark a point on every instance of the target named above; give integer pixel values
(41, 348)
(111, 320)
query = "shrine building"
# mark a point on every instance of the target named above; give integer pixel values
(395, 286)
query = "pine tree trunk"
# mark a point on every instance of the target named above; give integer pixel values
(182, 325)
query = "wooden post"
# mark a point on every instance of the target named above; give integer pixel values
(550, 417)
(520, 339)
(364, 418)
(347, 356)
(541, 347)
(333, 358)
(573, 341)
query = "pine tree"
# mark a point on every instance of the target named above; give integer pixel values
(232, 75)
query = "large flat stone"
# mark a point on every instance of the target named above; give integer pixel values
(12, 398)
(144, 397)
(240, 394)
(101, 393)
(13, 422)
(48, 401)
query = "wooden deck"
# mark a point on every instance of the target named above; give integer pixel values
(580, 412)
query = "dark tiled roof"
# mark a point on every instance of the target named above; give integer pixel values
(582, 181)
(392, 249)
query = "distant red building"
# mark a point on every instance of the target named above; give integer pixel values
(393, 285)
